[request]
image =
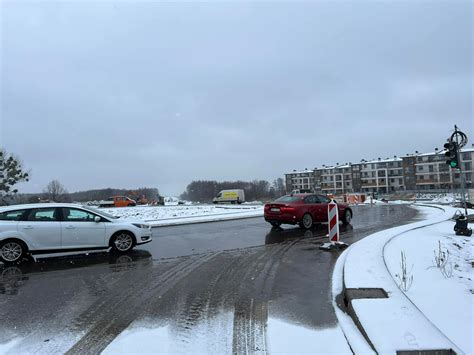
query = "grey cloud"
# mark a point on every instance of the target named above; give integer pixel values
(177, 91)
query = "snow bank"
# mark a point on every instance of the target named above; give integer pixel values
(176, 215)
(444, 199)
(373, 201)
(408, 328)
(445, 300)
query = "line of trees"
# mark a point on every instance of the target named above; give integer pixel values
(206, 190)
(56, 192)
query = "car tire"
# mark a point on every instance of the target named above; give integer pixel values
(306, 221)
(12, 251)
(122, 242)
(347, 217)
(275, 224)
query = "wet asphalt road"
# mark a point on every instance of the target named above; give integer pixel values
(186, 279)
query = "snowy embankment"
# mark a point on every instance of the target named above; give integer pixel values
(440, 263)
(428, 314)
(159, 216)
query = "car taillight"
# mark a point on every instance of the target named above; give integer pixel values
(287, 209)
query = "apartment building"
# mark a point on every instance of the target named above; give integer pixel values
(300, 180)
(432, 172)
(382, 175)
(338, 179)
(414, 172)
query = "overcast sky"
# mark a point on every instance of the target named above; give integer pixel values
(122, 94)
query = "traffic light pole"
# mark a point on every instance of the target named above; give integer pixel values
(463, 194)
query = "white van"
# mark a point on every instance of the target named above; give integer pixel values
(230, 196)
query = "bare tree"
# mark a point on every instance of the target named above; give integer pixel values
(11, 173)
(56, 192)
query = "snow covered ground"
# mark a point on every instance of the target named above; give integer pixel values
(444, 295)
(174, 215)
(215, 336)
(435, 312)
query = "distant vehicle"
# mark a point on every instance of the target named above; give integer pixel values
(230, 196)
(118, 201)
(303, 209)
(53, 228)
(160, 201)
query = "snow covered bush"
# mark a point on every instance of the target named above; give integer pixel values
(441, 257)
(405, 278)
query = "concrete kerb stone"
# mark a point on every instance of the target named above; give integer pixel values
(349, 294)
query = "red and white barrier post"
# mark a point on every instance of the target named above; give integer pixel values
(333, 222)
(333, 227)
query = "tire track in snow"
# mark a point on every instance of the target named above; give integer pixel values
(110, 316)
(251, 313)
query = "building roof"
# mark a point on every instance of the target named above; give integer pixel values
(381, 160)
(374, 161)
(299, 172)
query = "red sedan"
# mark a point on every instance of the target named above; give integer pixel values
(303, 209)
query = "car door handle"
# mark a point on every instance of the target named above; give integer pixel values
(70, 227)
(28, 227)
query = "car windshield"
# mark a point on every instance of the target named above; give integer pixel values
(288, 199)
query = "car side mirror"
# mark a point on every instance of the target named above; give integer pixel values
(97, 219)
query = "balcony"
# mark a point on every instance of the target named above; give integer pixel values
(427, 181)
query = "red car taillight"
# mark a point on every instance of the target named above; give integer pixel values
(287, 209)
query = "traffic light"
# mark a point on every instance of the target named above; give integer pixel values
(452, 155)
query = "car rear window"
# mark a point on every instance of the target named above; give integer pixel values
(12, 215)
(42, 215)
(289, 199)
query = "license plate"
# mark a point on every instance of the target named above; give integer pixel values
(275, 209)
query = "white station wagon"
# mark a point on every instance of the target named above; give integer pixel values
(51, 228)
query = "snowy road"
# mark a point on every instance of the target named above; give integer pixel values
(235, 286)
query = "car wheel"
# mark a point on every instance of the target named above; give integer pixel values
(347, 217)
(307, 221)
(12, 251)
(123, 242)
(275, 224)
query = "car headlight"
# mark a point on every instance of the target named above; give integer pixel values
(138, 225)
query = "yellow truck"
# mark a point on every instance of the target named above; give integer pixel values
(230, 196)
